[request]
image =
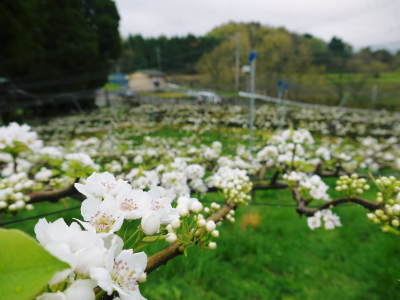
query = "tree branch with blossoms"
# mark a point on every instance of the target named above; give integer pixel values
(177, 248)
(303, 209)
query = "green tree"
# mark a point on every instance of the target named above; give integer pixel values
(58, 45)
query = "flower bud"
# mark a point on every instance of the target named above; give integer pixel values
(142, 277)
(201, 222)
(169, 228)
(210, 226)
(212, 245)
(171, 237)
(196, 207)
(176, 223)
(215, 205)
(183, 212)
(215, 233)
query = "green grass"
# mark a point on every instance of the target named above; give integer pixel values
(278, 259)
(282, 259)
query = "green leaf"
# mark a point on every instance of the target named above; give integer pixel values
(153, 238)
(25, 266)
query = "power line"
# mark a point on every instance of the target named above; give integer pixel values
(39, 216)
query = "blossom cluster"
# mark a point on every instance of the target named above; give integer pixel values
(110, 201)
(93, 247)
(27, 165)
(352, 185)
(234, 183)
(13, 192)
(310, 186)
(14, 137)
(324, 217)
(388, 216)
(93, 259)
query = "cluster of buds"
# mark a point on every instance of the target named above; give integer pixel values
(13, 192)
(389, 196)
(352, 185)
(231, 216)
(171, 236)
(206, 232)
(197, 224)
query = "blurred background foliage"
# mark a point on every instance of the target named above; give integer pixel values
(71, 44)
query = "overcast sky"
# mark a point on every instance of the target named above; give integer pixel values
(373, 23)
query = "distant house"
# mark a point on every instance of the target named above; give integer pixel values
(146, 81)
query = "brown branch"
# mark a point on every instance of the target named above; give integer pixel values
(265, 185)
(275, 177)
(53, 196)
(262, 172)
(260, 185)
(303, 209)
(175, 249)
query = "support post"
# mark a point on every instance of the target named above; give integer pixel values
(252, 60)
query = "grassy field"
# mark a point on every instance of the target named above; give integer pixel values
(269, 253)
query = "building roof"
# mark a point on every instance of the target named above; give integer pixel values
(151, 72)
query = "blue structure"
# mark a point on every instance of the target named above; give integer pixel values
(118, 78)
(281, 87)
(252, 56)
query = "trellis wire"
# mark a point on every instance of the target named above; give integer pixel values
(39, 216)
(207, 201)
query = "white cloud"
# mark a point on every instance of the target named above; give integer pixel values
(360, 22)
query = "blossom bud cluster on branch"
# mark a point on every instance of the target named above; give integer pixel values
(388, 216)
(352, 186)
(235, 184)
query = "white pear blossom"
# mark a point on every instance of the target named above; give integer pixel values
(81, 249)
(100, 185)
(325, 217)
(103, 217)
(160, 210)
(121, 273)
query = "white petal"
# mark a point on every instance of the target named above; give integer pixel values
(89, 208)
(63, 252)
(52, 296)
(40, 231)
(89, 258)
(136, 261)
(81, 290)
(60, 276)
(80, 188)
(103, 279)
(131, 295)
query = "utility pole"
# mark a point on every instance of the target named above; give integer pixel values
(374, 95)
(252, 62)
(237, 63)
(158, 56)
